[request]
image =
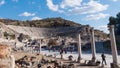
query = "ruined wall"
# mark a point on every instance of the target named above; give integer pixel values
(5, 56)
(5, 51)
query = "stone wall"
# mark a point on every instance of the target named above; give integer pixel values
(5, 51)
(5, 56)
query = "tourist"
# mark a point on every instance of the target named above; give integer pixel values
(65, 50)
(61, 52)
(103, 58)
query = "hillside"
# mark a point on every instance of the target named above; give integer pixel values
(44, 23)
(49, 26)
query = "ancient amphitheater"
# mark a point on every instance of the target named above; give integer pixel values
(35, 32)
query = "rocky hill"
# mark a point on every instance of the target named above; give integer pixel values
(50, 27)
(44, 23)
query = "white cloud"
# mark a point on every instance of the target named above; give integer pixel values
(2, 2)
(31, 2)
(51, 6)
(36, 18)
(15, 0)
(77, 6)
(70, 3)
(27, 14)
(114, 0)
(96, 16)
(103, 28)
(90, 7)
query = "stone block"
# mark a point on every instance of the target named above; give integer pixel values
(114, 65)
(82, 61)
(5, 51)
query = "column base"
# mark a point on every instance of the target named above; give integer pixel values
(114, 65)
(93, 59)
(93, 62)
(81, 60)
(104, 66)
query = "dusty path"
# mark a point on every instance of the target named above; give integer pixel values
(77, 65)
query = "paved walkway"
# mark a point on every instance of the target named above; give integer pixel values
(76, 64)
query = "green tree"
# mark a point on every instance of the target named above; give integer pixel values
(117, 25)
(115, 21)
(112, 21)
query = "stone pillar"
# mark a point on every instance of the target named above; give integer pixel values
(31, 48)
(40, 46)
(16, 40)
(113, 47)
(12, 61)
(79, 48)
(93, 45)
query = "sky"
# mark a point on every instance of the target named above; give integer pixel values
(95, 13)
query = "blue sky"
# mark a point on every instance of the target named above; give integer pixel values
(93, 12)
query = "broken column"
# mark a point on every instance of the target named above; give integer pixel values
(12, 58)
(93, 45)
(113, 47)
(79, 48)
(16, 40)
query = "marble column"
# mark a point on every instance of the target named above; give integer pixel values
(16, 40)
(40, 46)
(12, 61)
(93, 45)
(79, 48)
(113, 46)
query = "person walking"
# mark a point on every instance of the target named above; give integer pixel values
(61, 53)
(103, 58)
